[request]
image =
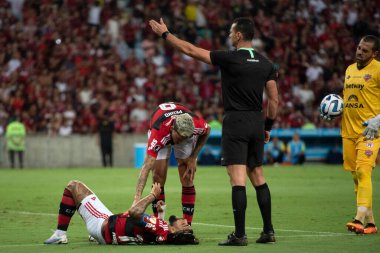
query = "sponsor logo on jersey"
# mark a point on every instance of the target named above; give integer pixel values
(368, 153)
(353, 102)
(168, 114)
(369, 144)
(353, 105)
(152, 144)
(151, 219)
(367, 77)
(355, 86)
(253, 60)
(353, 98)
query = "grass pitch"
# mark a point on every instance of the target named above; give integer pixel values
(310, 203)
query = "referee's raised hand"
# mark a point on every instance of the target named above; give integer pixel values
(158, 28)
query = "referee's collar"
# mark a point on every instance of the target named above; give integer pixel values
(249, 49)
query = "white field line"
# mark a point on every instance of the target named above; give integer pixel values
(41, 244)
(311, 233)
(284, 230)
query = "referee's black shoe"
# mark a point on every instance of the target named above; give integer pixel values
(266, 237)
(233, 240)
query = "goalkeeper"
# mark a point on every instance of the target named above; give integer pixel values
(360, 129)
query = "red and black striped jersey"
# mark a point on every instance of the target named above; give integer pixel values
(122, 229)
(161, 121)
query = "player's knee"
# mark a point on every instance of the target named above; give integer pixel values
(363, 172)
(158, 178)
(181, 163)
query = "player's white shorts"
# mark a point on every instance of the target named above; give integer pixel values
(94, 212)
(181, 151)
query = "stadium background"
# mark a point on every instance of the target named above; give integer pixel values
(65, 65)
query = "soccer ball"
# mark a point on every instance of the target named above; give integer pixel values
(332, 106)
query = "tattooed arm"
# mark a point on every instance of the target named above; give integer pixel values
(145, 170)
(138, 209)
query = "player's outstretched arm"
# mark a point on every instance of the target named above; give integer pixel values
(372, 130)
(185, 47)
(138, 209)
(144, 173)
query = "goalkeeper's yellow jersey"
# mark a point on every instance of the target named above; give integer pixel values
(361, 95)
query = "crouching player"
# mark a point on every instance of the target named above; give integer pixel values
(131, 227)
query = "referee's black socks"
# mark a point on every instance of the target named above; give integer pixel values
(239, 205)
(264, 202)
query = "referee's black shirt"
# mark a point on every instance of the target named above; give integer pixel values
(244, 76)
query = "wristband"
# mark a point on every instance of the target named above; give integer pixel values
(164, 35)
(268, 124)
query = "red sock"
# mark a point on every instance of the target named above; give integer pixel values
(154, 203)
(188, 202)
(66, 210)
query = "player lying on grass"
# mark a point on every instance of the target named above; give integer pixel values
(131, 227)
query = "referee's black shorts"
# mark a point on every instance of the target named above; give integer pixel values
(243, 138)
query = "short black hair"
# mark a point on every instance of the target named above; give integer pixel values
(246, 27)
(372, 39)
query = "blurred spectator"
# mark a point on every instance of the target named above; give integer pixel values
(275, 151)
(105, 139)
(296, 150)
(15, 137)
(56, 53)
(139, 118)
(214, 123)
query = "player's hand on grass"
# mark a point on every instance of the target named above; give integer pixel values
(156, 190)
(372, 128)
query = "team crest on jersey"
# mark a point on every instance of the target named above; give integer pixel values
(369, 144)
(367, 77)
(348, 77)
(368, 153)
(150, 219)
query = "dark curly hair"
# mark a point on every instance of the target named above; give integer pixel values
(182, 238)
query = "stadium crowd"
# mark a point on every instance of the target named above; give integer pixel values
(66, 64)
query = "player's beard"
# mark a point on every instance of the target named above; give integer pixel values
(362, 62)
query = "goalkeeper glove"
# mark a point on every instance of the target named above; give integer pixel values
(372, 128)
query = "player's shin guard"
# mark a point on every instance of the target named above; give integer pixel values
(188, 202)
(265, 205)
(66, 210)
(364, 194)
(154, 203)
(239, 205)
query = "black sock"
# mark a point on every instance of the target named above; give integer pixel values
(239, 204)
(264, 201)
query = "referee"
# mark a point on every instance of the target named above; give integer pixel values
(245, 75)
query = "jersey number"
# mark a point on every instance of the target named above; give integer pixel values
(167, 106)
